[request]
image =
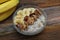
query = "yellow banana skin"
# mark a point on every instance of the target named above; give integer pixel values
(6, 14)
(8, 5)
(1, 1)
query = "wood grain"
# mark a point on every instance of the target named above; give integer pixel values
(53, 15)
(51, 32)
(42, 3)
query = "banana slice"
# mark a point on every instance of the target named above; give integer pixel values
(21, 14)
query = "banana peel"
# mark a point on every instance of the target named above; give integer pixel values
(2, 1)
(6, 14)
(8, 5)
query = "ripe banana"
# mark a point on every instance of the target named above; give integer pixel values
(2, 1)
(8, 5)
(6, 14)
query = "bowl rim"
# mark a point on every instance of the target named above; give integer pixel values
(33, 6)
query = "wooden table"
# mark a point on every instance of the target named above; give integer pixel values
(50, 33)
(52, 30)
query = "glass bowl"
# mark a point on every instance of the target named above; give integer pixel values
(35, 28)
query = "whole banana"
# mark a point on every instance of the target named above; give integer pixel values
(8, 5)
(6, 14)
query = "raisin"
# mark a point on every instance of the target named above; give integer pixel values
(25, 18)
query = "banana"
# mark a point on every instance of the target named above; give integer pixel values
(2, 1)
(8, 5)
(6, 14)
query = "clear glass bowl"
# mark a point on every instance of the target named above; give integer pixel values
(35, 28)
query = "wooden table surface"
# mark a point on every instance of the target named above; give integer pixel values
(51, 32)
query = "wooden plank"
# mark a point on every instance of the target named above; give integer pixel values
(51, 32)
(42, 3)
